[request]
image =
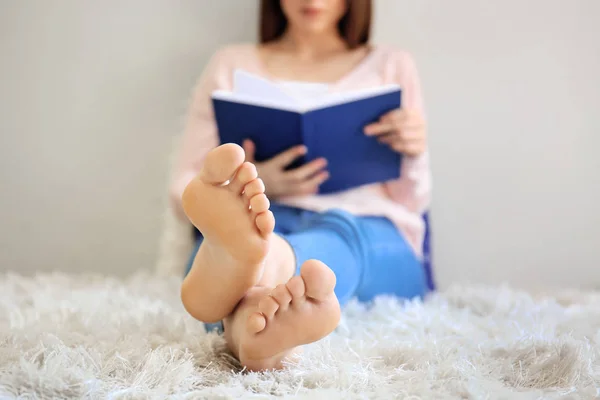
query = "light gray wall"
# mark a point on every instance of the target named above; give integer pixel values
(93, 93)
(512, 90)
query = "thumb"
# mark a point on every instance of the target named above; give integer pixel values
(250, 149)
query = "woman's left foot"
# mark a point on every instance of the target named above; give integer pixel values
(302, 311)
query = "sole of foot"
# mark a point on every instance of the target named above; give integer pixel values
(227, 203)
(301, 311)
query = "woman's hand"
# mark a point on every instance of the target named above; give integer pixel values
(278, 182)
(404, 131)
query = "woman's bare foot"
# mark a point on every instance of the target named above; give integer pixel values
(226, 202)
(302, 311)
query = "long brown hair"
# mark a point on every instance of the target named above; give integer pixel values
(354, 26)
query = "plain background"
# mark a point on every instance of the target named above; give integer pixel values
(93, 94)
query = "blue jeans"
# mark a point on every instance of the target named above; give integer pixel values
(367, 254)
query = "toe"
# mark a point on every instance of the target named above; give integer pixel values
(268, 306)
(221, 163)
(319, 279)
(265, 223)
(259, 203)
(282, 295)
(296, 287)
(253, 188)
(256, 323)
(245, 174)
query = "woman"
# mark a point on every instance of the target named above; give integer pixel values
(278, 286)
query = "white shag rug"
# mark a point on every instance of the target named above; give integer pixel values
(95, 337)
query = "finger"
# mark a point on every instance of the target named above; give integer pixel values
(409, 149)
(285, 158)
(250, 149)
(311, 186)
(412, 134)
(400, 140)
(307, 170)
(389, 139)
(411, 124)
(379, 128)
(393, 116)
(404, 134)
(405, 119)
(412, 119)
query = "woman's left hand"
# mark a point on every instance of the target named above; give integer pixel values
(404, 131)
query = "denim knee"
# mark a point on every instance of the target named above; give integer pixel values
(346, 225)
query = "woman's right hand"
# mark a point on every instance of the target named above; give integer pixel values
(279, 182)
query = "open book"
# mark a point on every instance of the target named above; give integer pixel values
(330, 125)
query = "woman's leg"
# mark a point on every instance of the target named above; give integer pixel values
(244, 272)
(287, 220)
(392, 267)
(367, 254)
(226, 202)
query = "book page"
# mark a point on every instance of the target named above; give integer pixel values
(254, 101)
(305, 93)
(292, 96)
(301, 96)
(348, 97)
(251, 86)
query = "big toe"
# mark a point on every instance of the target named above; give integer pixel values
(319, 279)
(221, 163)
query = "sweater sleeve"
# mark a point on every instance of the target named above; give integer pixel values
(413, 188)
(200, 132)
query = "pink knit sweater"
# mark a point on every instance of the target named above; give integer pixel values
(402, 201)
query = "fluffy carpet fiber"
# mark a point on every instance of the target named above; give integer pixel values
(94, 337)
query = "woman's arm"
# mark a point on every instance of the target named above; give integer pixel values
(413, 188)
(200, 133)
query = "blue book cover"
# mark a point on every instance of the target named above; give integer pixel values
(329, 126)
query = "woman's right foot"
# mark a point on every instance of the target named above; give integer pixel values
(302, 311)
(227, 203)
